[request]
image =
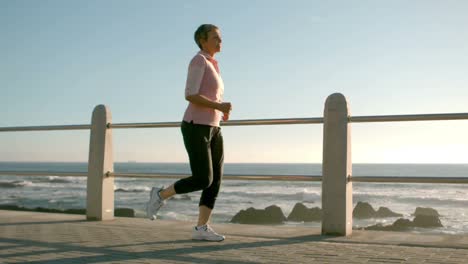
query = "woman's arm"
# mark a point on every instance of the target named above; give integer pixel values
(203, 101)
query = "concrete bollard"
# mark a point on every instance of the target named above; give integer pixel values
(337, 191)
(100, 189)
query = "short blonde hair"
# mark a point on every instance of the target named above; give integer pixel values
(202, 33)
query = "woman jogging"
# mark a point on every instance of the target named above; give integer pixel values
(201, 133)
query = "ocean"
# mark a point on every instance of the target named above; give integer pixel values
(450, 200)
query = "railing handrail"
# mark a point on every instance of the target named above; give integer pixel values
(225, 176)
(44, 173)
(251, 122)
(412, 179)
(42, 128)
(400, 118)
(254, 177)
(247, 122)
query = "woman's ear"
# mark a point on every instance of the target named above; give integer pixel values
(202, 42)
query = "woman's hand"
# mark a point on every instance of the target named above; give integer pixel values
(225, 117)
(225, 108)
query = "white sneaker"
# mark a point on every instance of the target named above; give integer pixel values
(206, 233)
(155, 203)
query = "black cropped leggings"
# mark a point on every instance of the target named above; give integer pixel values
(204, 146)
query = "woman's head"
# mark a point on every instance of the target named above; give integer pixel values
(208, 38)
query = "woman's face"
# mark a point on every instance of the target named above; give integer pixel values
(212, 44)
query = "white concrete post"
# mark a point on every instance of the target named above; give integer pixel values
(100, 189)
(337, 192)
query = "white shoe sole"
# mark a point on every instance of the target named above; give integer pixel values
(206, 239)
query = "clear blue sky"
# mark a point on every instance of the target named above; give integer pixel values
(280, 59)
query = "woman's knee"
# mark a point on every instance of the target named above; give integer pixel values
(205, 182)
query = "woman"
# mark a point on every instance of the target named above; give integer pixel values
(202, 134)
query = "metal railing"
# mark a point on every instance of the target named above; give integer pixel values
(259, 177)
(400, 179)
(252, 122)
(44, 173)
(336, 165)
(225, 176)
(44, 128)
(401, 118)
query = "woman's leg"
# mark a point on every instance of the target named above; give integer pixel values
(197, 141)
(209, 195)
(168, 192)
(204, 214)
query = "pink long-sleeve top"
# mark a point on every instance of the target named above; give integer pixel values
(204, 79)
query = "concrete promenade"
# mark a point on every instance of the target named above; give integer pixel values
(31, 237)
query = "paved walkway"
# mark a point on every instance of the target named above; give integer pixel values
(30, 237)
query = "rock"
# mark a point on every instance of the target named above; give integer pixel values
(426, 211)
(385, 212)
(75, 211)
(378, 227)
(46, 210)
(402, 224)
(363, 210)
(13, 184)
(275, 212)
(270, 215)
(301, 213)
(399, 225)
(124, 212)
(427, 221)
(12, 207)
(424, 221)
(37, 209)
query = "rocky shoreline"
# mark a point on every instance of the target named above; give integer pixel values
(273, 215)
(423, 217)
(120, 212)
